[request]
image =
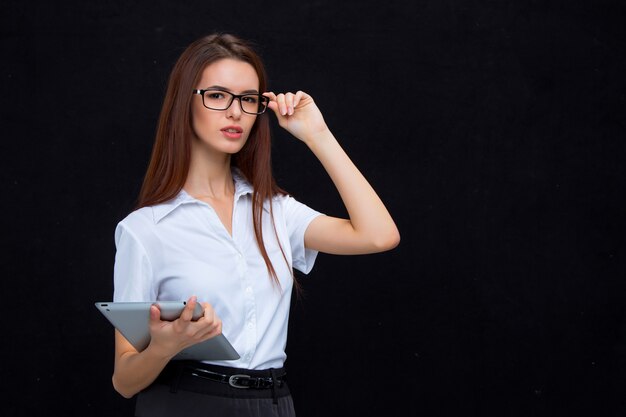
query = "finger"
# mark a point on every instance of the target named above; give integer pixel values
(155, 313)
(209, 314)
(216, 329)
(209, 325)
(273, 104)
(211, 331)
(296, 100)
(282, 107)
(289, 98)
(155, 318)
(187, 313)
(211, 319)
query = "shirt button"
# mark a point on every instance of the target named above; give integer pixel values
(249, 290)
(250, 325)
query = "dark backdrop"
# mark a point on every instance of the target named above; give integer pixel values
(493, 130)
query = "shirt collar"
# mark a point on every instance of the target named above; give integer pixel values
(160, 211)
(242, 186)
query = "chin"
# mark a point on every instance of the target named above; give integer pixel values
(232, 150)
(228, 148)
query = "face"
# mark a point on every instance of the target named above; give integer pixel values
(224, 131)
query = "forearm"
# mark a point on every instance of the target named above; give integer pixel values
(369, 220)
(134, 371)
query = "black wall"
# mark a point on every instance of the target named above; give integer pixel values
(493, 130)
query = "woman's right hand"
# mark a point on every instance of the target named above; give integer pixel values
(170, 337)
(135, 371)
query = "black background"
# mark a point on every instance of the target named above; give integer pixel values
(493, 131)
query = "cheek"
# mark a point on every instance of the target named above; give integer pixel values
(247, 131)
(250, 125)
(201, 122)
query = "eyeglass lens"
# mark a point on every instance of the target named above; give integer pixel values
(221, 100)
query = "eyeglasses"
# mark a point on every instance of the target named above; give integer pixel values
(221, 100)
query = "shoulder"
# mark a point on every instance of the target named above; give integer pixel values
(150, 216)
(281, 198)
(285, 200)
(294, 210)
(138, 218)
(138, 224)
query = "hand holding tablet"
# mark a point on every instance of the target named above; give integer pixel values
(133, 320)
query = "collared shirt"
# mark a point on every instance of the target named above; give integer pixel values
(180, 248)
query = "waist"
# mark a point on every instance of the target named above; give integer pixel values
(217, 380)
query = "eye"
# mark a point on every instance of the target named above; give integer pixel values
(215, 95)
(251, 99)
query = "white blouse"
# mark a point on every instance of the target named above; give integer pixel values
(180, 248)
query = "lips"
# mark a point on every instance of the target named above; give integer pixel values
(232, 129)
(232, 132)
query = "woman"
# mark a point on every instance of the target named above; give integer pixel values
(213, 227)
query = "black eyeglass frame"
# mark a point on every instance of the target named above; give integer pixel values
(262, 99)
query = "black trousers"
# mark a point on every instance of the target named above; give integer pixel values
(177, 392)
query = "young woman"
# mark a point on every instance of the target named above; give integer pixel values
(213, 227)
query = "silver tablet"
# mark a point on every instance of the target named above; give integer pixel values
(132, 319)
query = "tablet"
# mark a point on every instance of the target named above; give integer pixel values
(132, 319)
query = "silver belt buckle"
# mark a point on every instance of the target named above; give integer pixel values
(233, 383)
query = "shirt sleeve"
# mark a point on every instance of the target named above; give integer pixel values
(298, 216)
(132, 273)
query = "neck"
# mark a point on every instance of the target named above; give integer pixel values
(209, 176)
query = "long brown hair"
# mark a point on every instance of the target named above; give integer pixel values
(171, 154)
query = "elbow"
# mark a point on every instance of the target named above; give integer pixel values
(396, 240)
(120, 389)
(387, 241)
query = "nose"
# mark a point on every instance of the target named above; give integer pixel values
(234, 110)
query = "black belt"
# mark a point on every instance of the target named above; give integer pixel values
(204, 378)
(239, 380)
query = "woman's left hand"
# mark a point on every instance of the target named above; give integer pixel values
(298, 114)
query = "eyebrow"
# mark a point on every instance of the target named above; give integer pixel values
(219, 87)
